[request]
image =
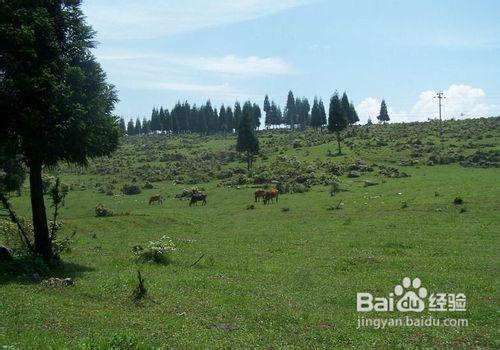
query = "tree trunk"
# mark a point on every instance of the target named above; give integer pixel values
(43, 244)
(338, 141)
(248, 161)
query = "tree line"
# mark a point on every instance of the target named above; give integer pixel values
(207, 119)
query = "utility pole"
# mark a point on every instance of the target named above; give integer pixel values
(440, 96)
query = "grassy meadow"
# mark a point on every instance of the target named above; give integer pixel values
(283, 275)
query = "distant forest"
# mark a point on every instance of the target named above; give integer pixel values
(207, 119)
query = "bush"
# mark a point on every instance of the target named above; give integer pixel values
(335, 187)
(458, 201)
(101, 211)
(131, 189)
(148, 186)
(156, 251)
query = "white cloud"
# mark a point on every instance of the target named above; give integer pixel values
(462, 101)
(127, 19)
(368, 108)
(231, 64)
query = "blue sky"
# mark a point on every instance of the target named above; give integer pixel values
(158, 52)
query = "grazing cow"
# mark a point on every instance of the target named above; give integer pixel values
(198, 197)
(156, 198)
(270, 196)
(259, 193)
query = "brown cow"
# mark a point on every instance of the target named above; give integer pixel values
(198, 197)
(156, 198)
(259, 193)
(271, 195)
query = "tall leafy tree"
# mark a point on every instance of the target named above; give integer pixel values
(56, 104)
(337, 118)
(247, 142)
(383, 117)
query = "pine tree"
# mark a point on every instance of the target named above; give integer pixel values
(247, 142)
(369, 122)
(353, 115)
(346, 107)
(267, 105)
(237, 115)
(303, 108)
(256, 115)
(322, 113)
(290, 111)
(122, 126)
(315, 114)
(155, 119)
(55, 102)
(337, 118)
(222, 126)
(138, 127)
(383, 117)
(130, 127)
(145, 126)
(229, 119)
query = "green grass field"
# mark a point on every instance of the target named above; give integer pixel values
(283, 275)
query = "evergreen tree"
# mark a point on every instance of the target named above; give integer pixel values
(337, 118)
(122, 126)
(369, 122)
(346, 107)
(315, 114)
(322, 113)
(155, 119)
(145, 126)
(166, 121)
(247, 142)
(267, 105)
(229, 119)
(353, 115)
(56, 104)
(222, 126)
(256, 115)
(237, 115)
(130, 127)
(303, 108)
(138, 127)
(290, 111)
(383, 117)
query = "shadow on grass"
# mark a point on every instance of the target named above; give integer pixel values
(26, 270)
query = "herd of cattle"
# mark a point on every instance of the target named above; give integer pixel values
(267, 196)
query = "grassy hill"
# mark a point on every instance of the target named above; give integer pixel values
(278, 275)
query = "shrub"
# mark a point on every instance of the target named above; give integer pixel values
(458, 201)
(101, 211)
(335, 187)
(148, 186)
(131, 189)
(156, 251)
